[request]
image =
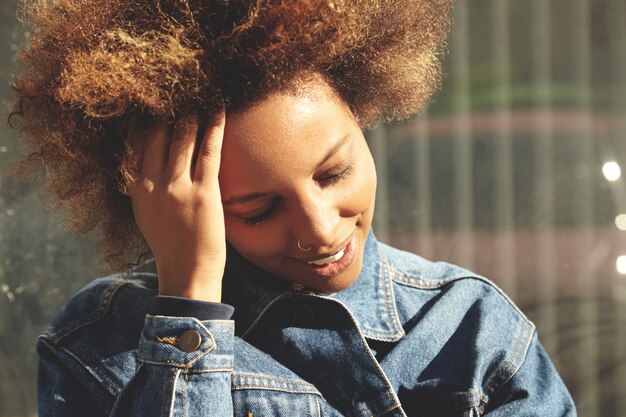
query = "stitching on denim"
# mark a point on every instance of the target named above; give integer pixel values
(105, 301)
(522, 350)
(212, 344)
(396, 333)
(184, 365)
(424, 284)
(270, 388)
(393, 297)
(365, 346)
(317, 407)
(180, 365)
(388, 290)
(263, 310)
(113, 390)
(173, 396)
(461, 401)
(182, 396)
(383, 274)
(512, 364)
(399, 331)
(203, 370)
(379, 335)
(308, 406)
(271, 378)
(368, 406)
(169, 340)
(393, 407)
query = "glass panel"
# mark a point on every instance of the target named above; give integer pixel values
(515, 172)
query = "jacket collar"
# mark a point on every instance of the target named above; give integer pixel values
(370, 298)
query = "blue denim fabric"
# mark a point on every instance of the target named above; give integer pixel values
(408, 338)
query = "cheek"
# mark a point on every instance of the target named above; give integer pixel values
(359, 195)
(255, 242)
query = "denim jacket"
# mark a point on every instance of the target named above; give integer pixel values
(408, 338)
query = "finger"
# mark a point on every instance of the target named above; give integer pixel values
(155, 153)
(208, 163)
(181, 147)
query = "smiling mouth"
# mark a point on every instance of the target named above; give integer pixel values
(329, 259)
(332, 265)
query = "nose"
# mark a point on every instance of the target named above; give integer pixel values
(316, 224)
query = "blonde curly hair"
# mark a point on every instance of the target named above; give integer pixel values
(92, 68)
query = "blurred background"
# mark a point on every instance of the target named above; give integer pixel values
(514, 172)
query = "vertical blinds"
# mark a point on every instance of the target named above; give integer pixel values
(515, 172)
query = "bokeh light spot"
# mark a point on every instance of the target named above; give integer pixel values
(611, 170)
(620, 264)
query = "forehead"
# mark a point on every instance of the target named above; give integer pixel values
(285, 134)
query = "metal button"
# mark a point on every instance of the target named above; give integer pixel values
(303, 314)
(190, 340)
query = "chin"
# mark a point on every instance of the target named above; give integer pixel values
(333, 285)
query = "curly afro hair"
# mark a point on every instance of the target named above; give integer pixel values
(94, 68)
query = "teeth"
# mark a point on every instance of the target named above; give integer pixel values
(329, 259)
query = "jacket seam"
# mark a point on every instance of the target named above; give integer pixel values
(105, 302)
(367, 406)
(282, 385)
(273, 379)
(272, 388)
(383, 412)
(401, 279)
(262, 312)
(113, 390)
(182, 396)
(512, 365)
(390, 391)
(389, 289)
(173, 394)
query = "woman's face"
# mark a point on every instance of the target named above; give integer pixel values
(295, 167)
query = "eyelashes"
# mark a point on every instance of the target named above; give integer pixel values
(324, 182)
(253, 221)
(336, 177)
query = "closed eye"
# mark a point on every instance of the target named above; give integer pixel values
(260, 218)
(332, 179)
(325, 182)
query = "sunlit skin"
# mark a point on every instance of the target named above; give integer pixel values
(305, 159)
(293, 167)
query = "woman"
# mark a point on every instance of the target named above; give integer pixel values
(226, 138)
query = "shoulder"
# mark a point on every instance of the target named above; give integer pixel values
(105, 299)
(410, 271)
(468, 322)
(98, 329)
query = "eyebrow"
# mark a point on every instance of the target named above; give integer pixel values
(253, 196)
(244, 198)
(340, 143)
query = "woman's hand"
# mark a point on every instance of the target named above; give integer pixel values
(177, 205)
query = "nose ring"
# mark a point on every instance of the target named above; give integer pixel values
(304, 249)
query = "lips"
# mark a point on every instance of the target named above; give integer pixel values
(329, 259)
(326, 257)
(333, 265)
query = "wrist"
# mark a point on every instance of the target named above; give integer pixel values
(204, 285)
